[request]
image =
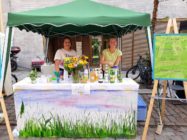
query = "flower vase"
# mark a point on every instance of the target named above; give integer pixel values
(75, 76)
(33, 81)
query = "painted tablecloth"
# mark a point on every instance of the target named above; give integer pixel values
(54, 111)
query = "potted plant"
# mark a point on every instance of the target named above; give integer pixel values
(33, 76)
(95, 46)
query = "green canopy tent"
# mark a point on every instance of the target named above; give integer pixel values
(78, 17)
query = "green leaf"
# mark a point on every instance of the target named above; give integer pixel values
(22, 109)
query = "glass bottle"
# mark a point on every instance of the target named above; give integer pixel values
(100, 75)
(85, 75)
(92, 75)
(106, 75)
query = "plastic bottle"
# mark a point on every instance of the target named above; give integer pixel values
(106, 67)
(86, 75)
(100, 75)
(119, 76)
(92, 75)
(106, 78)
(96, 74)
(115, 68)
(66, 76)
(106, 75)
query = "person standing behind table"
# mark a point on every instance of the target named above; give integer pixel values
(112, 55)
(61, 53)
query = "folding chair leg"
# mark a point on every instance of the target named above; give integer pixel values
(170, 92)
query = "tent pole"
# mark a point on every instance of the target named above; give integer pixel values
(7, 86)
(4, 66)
(148, 29)
(6, 54)
(120, 48)
(3, 56)
(121, 51)
(46, 47)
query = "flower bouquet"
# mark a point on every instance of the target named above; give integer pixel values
(74, 64)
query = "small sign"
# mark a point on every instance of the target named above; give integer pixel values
(79, 89)
(79, 48)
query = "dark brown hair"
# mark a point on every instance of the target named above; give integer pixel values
(66, 37)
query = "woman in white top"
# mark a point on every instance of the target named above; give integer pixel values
(66, 51)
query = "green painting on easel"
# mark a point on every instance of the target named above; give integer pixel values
(170, 57)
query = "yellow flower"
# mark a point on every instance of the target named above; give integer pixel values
(81, 62)
(75, 59)
(86, 57)
(85, 62)
(70, 65)
(66, 59)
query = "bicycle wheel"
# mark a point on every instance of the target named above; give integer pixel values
(14, 65)
(133, 73)
(14, 79)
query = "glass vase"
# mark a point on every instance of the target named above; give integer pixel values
(75, 76)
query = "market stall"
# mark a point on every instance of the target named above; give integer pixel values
(101, 108)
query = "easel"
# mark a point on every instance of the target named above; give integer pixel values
(172, 24)
(2, 102)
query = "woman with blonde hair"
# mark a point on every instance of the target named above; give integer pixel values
(112, 55)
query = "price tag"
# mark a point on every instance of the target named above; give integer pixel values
(79, 89)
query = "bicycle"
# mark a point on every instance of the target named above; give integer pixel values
(14, 79)
(142, 69)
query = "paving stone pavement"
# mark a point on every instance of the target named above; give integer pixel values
(175, 127)
(169, 133)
